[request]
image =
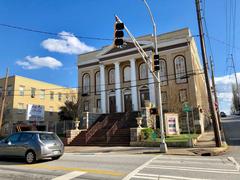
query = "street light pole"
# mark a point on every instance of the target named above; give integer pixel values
(163, 145)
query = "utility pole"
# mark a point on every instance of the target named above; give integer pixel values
(237, 85)
(3, 99)
(163, 145)
(218, 140)
(215, 94)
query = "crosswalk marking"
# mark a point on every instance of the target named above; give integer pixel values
(69, 176)
(166, 176)
(209, 170)
(165, 164)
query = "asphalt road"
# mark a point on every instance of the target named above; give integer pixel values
(122, 166)
(231, 127)
(119, 165)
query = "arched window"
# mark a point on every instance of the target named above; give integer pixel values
(163, 71)
(97, 83)
(126, 74)
(180, 69)
(86, 83)
(144, 95)
(111, 76)
(142, 71)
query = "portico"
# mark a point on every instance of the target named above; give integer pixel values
(125, 75)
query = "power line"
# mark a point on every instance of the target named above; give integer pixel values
(107, 90)
(72, 88)
(52, 33)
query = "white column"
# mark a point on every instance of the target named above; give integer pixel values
(117, 87)
(134, 85)
(103, 88)
(152, 93)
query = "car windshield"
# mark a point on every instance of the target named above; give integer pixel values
(45, 137)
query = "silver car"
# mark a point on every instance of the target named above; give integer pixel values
(32, 145)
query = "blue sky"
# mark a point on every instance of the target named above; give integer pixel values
(23, 51)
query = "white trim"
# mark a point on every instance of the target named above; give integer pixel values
(87, 62)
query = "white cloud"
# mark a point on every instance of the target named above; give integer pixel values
(39, 62)
(224, 89)
(68, 43)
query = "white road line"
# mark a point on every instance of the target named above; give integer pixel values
(69, 176)
(166, 176)
(134, 172)
(177, 168)
(158, 161)
(234, 162)
(187, 158)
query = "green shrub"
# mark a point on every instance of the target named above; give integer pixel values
(146, 133)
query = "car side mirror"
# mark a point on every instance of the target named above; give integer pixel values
(9, 142)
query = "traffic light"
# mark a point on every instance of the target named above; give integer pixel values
(156, 63)
(118, 34)
(153, 111)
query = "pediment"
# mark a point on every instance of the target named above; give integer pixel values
(127, 45)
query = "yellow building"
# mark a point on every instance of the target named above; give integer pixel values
(24, 94)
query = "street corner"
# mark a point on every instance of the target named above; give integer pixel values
(210, 151)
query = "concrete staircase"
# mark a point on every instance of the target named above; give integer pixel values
(110, 130)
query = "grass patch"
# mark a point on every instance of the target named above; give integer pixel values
(175, 138)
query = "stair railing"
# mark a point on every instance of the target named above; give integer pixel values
(116, 126)
(95, 128)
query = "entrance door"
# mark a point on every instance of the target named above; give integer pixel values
(112, 104)
(127, 102)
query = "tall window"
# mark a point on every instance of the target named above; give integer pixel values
(42, 94)
(163, 71)
(10, 90)
(183, 95)
(33, 92)
(164, 97)
(111, 76)
(180, 69)
(59, 96)
(97, 83)
(126, 74)
(21, 90)
(86, 83)
(20, 107)
(51, 95)
(143, 71)
(99, 104)
(144, 95)
(86, 106)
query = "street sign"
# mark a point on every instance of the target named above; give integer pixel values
(186, 107)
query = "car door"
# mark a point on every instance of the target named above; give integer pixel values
(10, 149)
(3, 147)
(22, 144)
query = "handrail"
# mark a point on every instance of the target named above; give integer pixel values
(95, 128)
(116, 126)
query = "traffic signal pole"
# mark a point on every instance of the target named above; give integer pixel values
(163, 145)
(218, 140)
(156, 74)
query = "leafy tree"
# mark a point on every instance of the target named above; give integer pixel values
(235, 100)
(69, 111)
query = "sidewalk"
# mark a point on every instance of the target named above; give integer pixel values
(205, 147)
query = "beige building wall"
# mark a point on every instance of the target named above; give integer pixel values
(171, 45)
(21, 95)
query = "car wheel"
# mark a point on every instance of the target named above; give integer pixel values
(55, 157)
(30, 157)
